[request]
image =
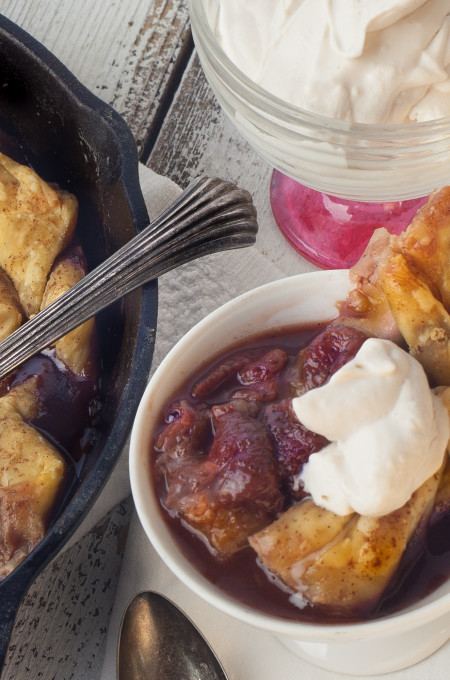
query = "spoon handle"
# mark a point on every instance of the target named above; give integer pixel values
(209, 216)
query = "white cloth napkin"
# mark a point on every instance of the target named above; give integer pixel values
(185, 296)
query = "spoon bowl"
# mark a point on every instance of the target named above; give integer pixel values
(157, 640)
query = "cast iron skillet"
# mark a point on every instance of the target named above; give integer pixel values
(69, 136)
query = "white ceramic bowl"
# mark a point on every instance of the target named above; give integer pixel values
(383, 645)
(362, 162)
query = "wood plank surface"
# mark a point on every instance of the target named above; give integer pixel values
(197, 138)
(137, 56)
(130, 54)
(60, 628)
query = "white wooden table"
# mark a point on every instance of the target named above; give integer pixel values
(138, 57)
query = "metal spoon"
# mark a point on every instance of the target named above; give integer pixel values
(158, 641)
(209, 216)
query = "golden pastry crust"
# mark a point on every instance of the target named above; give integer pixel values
(402, 292)
(342, 562)
(402, 287)
(11, 312)
(31, 473)
(36, 223)
(366, 307)
(420, 316)
(425, 244)
(75, 348)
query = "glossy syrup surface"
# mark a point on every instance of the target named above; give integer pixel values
(241, 577)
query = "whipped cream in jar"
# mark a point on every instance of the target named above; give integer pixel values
(366, 61)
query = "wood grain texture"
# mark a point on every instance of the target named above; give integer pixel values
(61, 625)
(137, 56)
(198, 138)
(130, 54)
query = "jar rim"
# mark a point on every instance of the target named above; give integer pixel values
(292, 115)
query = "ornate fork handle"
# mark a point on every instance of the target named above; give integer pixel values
(209, 216)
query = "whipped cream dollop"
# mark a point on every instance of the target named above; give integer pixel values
(388, 432)
(367, 61)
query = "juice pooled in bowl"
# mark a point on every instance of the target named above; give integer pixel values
(320, 454)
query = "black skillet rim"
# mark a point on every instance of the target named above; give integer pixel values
(17, 582)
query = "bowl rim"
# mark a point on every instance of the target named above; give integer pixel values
(150, 515)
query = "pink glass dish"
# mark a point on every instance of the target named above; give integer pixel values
(362, 163)
(332, 232)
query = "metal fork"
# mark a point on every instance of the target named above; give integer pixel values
(209, 216)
